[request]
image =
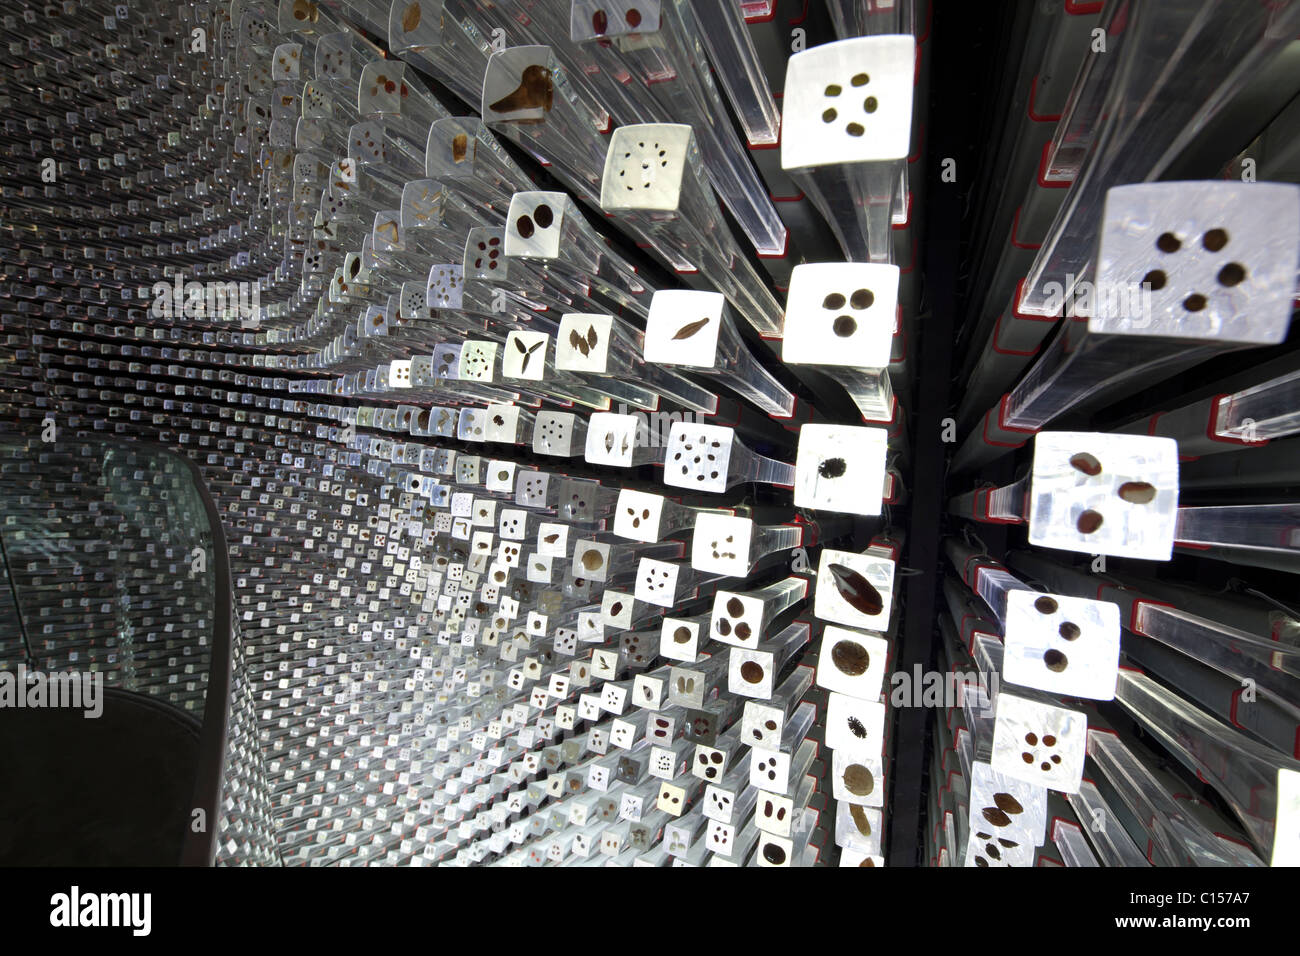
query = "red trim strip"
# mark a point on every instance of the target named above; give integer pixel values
(785, 249)
(997, 326)
(1212, 424)
(1037, 118)
(920, 142)
(1015, 227)
(1002, 419)
(908, 221)
(1042, 167)
(994, 443)
(1028, 316)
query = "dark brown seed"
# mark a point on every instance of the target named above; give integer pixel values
(856, 590)
(459, 147)
(1215, 240)
(599, 22)
(1069, 630)
(862, 299)
(592, 338)
(851, 658)
(592, 560)
(1088, 522)
(1046, 605)
(1168, 242)
(682, 635)
(1137, 492)
(551, 538)
(544, 216)
(735, 607)
(1232, 274)
(690, 328)
(996, 817)
(832, 468)
(860, 79)
(834, 302)
(524, 226)
(844, 326)
(1007, 803)
(579, 343)
(774, 854)
(529, 354)
(1055, 660)
(1086, 463)
(751, 672)
(834, 89)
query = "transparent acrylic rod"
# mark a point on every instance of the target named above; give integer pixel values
(769, 539)
(1271, 528)
(1272, 666)
(1268, 410)
(556, 232)
(666, 61)
(442, 39)
(1177, 838)
(1242, 771)
(1159, 94)
(732, 53)
(1071, 844)
(852, 18)
(710, 345)
(846, 133)
(1110, 842)
(527, 96)
(1008, 504)
(653, 184)
(1169, 290)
